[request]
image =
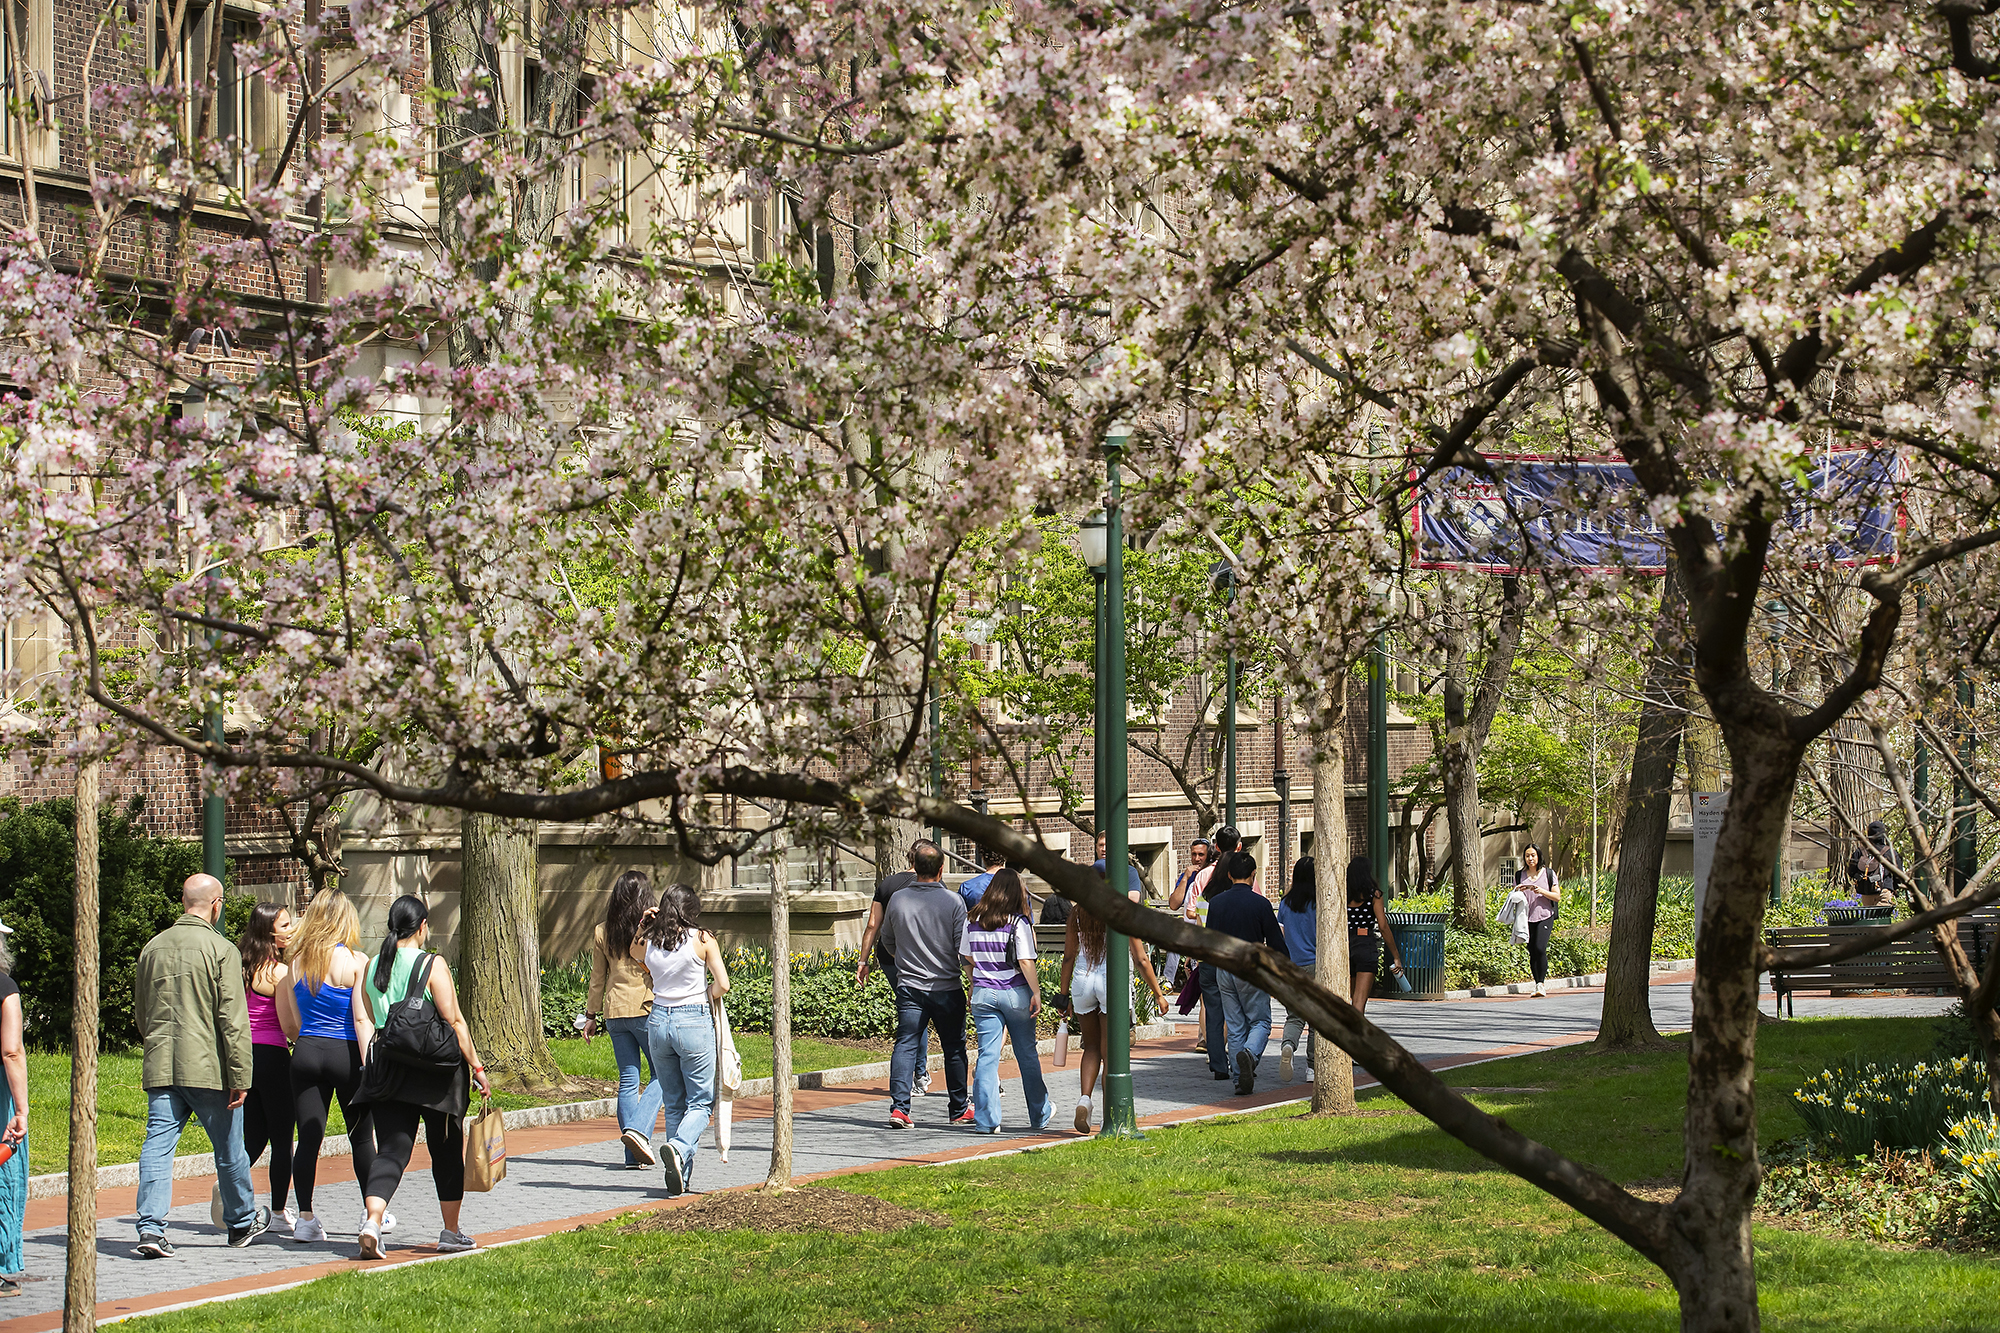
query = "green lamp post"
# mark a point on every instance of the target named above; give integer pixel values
(1101, 543)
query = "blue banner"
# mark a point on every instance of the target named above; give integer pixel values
(1540, 513)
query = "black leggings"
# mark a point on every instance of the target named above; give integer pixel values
(396, 1131)
(1538, 948)
(267, 1116)
(323, 1068)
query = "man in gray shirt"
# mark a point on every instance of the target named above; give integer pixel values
(921, 927)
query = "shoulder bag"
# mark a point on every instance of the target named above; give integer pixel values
(414, 1033)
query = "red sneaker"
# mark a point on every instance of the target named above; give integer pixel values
(900, 1120)
(965, 1117)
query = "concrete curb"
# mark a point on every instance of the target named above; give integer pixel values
(125, 1175)
(1594, 979)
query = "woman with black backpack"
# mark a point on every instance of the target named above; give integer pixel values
(417, 1058)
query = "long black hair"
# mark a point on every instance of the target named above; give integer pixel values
(631, 895)
(259, 945)
(679, 914)
(1305, 888)
(1361, 885)
(406, 917)
(1541, 864)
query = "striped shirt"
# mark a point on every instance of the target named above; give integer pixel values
(988, 951)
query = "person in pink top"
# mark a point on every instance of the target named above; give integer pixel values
(1538, 881)
(267, 1113)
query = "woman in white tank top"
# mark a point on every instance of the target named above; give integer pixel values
(688, 976)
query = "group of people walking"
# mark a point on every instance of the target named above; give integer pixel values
(260, 1041)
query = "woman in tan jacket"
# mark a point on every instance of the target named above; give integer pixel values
(621, 997)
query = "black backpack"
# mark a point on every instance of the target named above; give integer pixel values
(414, 1033)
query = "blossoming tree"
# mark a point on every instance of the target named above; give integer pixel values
(668, 436)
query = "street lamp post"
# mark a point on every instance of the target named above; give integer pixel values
(1222, 578)
(217, 417)
(1378, 759)
(1103, 549)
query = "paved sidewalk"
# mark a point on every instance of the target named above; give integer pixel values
(564, 1176)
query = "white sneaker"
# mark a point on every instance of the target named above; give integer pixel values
(308, 1230)
(450, 1241)
(290, 1218)
(1309, 1074)
(371, 1241)
(1540, 993)
(388, 1223)
(924, 1081)
(640, 1147)
(1285, 1062)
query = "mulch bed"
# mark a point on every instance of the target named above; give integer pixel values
(809, 1209)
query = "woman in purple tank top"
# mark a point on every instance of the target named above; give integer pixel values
(267, 1114)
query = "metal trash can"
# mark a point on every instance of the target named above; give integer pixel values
(1420, 940)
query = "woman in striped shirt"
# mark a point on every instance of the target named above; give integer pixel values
(998, 949)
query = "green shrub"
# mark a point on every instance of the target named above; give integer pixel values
(565, 992)
(139, 879)
(1851, 1108)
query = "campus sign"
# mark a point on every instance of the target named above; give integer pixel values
(1537, 512)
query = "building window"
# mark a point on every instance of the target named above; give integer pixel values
(243, 117)
(27, 47)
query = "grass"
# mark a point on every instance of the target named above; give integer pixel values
(1265, 1223)
(121, 1102)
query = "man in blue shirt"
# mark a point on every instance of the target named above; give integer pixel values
(1135, 888)
(974, 886)
(1241, 911)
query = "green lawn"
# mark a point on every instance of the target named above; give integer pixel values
(121, 1103)
(1262, 1223)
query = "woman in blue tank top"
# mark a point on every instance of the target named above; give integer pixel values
(317, 1013)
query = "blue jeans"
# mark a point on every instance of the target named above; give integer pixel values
(995, 1012)
(638, 1102)
(945, 1011)
(167, 1112)
(1248, 1013)
(681, 1044)
(1211, 1016)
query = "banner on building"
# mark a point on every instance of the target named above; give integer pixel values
(1535, 513)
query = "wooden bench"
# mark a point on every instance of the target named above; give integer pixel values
(1911, 963)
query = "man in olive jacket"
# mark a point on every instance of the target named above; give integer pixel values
(195, 1030)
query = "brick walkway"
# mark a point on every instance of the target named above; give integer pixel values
(568, 1175)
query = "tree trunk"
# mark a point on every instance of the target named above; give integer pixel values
(1466, 724)
(1704, 754)
(1718, 1284)
(1627, 1018)
(499, 952)
(780, 1177)
(80, 1276)
(1468, 852)
(1333, 1072)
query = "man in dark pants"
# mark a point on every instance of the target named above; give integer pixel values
(1227, 840)
(921, 927)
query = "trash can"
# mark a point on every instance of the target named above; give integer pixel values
(1420, 941)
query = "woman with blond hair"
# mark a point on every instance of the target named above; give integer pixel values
(317, 1014)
